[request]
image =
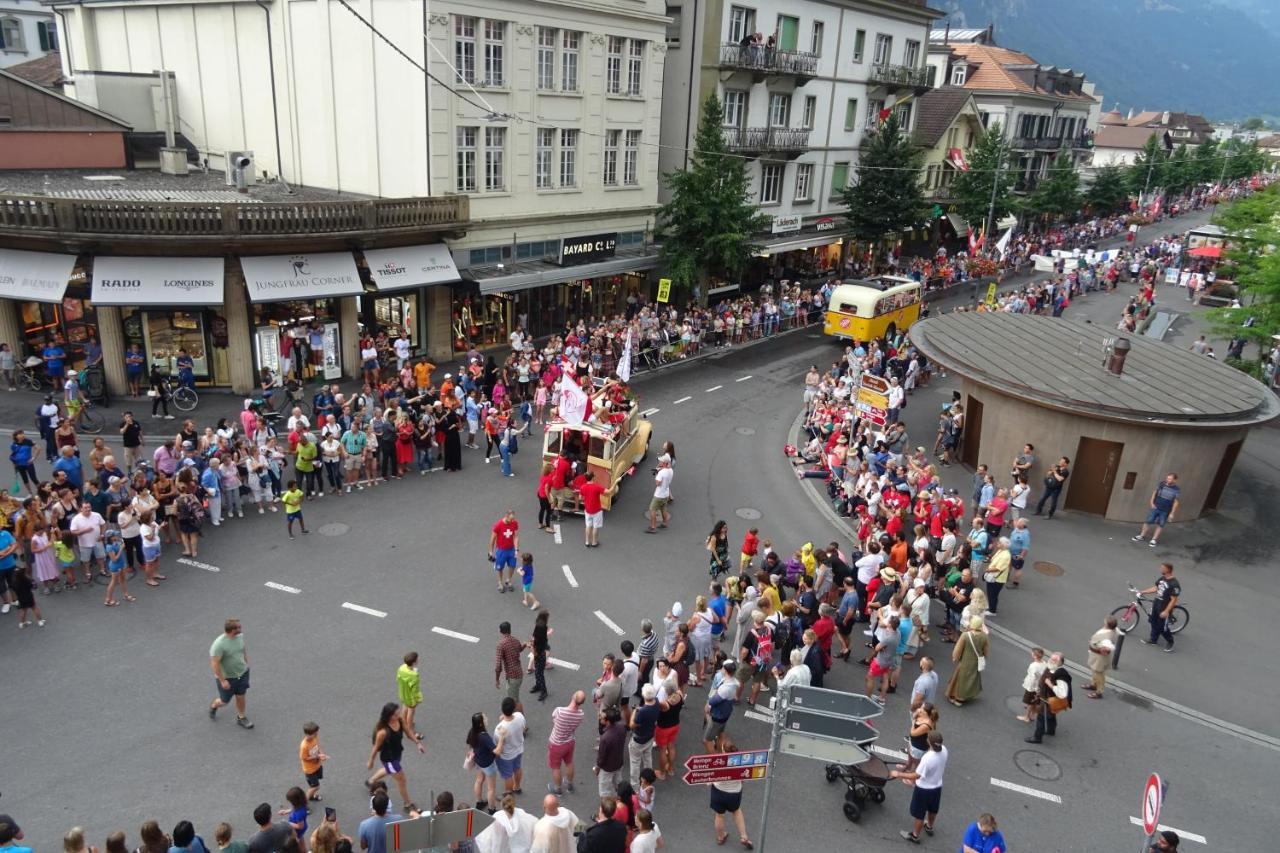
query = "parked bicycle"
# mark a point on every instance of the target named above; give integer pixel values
(26, 375)
(183, 397)
(283, 401)
(90, 418)
(1127, 616)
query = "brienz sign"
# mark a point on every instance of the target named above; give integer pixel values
(584, 250)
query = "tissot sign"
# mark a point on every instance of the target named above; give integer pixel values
(272, 278)
(157, 281)
(583, 250)
(410, 266)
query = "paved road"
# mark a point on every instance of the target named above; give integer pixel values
(112, 700)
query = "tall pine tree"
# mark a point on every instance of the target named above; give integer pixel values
(1147, 171)
(1108, 193)
(708, 226)
(1058, 193)
(972, 189)
(887, 198)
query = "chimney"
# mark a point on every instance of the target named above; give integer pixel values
(1118, 354)
(1164, 118)
(1130, 115)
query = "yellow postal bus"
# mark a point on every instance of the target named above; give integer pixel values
(862, 309)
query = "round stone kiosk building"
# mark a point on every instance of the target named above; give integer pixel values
(1125, 410)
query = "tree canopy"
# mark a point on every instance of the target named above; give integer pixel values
(972, 189)
(887, 197)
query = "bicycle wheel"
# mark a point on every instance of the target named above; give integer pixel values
(184, 398)
(1178, 619)
(30, 380)
(91, 421)
(1126, 617)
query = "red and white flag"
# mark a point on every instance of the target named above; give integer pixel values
(571, 401)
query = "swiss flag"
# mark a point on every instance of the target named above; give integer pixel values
(975, 243)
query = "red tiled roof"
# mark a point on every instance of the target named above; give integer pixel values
(989, 69)
(45, 71)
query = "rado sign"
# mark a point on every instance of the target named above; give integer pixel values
(583, 250)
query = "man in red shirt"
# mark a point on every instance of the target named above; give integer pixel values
(560, 482)
(592, 511)
(504, 541)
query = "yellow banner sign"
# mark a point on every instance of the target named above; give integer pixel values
(991, 295)
(664, 290)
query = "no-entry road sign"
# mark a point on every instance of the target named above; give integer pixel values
(1152, 798)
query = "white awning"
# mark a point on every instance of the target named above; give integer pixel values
(34, 276)
(410, 266)
(275, 278)
(157, 281)
(790, 245)
(540, 273)
(958, 224)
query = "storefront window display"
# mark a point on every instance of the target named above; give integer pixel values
(297, 338)
(481, 321)
(163, 334)
(393, 313)
(73, 321)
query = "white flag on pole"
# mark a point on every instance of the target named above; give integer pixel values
(624, 365)
(1002, 246)
(572, 401)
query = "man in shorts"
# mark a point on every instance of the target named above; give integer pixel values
(88, 527)
(926, 782)
(1164, 503)
(510, 733)
(719, 708)
(658, 516)
(230, 664)
(561, 742)
(353, 443)
(504, 541)
(882, 664)
(592, 509)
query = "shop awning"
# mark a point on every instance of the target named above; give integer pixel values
(958, 223)
(410, 266)
(539, 273)
(157, 281)
(275, 278)
(790, 245)
(34, 276)
(1206, 252)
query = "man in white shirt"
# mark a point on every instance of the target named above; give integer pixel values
(661, 495)
(896, 396)
(926, 782)
(402, 347)
(87, 526)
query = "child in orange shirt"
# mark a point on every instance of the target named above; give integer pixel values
(312, 758)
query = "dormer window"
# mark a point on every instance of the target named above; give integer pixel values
(957, 74)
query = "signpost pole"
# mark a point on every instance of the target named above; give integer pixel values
(1155, 828)
(779, 714)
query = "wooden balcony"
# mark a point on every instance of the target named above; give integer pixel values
(349, 222)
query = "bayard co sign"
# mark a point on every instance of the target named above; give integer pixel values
(157, 281)
(272, 278)
(584, 250)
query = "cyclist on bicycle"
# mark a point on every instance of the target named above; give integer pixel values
(71, 397)
(1166, 590)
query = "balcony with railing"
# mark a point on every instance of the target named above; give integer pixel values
(775, 142)
(762, 61)
(1052, 142)
(895, 77)
(219, 223)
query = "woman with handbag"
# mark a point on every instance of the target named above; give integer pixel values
(970, 657)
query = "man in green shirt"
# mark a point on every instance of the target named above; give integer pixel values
(353, 442)
(305, 464)
(293, 507)
(230, 665)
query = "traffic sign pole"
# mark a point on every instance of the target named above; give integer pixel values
(779, 712)
(1153, 794)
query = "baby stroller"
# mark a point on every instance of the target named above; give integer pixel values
(864, 782)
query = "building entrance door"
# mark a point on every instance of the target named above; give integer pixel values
(1219, 483)
(972, 435)
(1093, 475)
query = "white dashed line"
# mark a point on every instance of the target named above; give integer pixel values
(681, 400)
(1182, 833)
(360, 608)
(648, 413)
(613, 626)
(292, 590)
(564, 663)
(568, 575)
(187, 561)
(556, 526)
(457, 636)
(743, 378)
(756, 715)
(713, 388)
(1023, 789)
(885, 752)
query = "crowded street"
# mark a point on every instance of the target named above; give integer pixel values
(407, 566)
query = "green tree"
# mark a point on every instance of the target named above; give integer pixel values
(887, 197)
(708, 226)
(1205, 164)
(1254, 123)
(1109, 192)
(1058, 194)
(1179, 175)
(972, 189)
(1240, 159)
(1147, 171)
(1253, 263)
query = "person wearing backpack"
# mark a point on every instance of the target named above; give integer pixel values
(757, 654)
(720, 701)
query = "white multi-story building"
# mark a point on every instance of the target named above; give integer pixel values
(544, 113)
(797, 102)
(28, 31)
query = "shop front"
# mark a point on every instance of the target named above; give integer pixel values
(300, 304)
(400, 277)
(49, 308)
(169, 307)
(588, 278)
(797, 250)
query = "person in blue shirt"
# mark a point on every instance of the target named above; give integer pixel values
(11, 836)
(185, 839)
(846, 616)
(324, 402)
(92, 353)
(69, 463)
(1019, 543)
(54, 357)
(134, 363)
(982, 836)
(211, 480)
(373, 832)
(186, 369)
(22, 453)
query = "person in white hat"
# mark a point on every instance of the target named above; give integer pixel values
(671, 625)
(658, 515)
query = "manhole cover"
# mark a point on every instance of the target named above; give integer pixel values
(747, 512)
(744, 431)
(1048, 569)
(334, 528)
(1037, 765)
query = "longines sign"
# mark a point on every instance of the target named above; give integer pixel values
(157, 281)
